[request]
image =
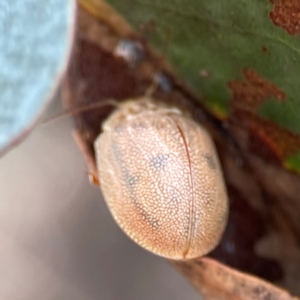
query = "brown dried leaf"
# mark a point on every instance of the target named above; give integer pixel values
(216, 281)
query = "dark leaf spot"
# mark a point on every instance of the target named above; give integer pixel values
(265, 50)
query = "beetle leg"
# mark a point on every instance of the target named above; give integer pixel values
(90, 162)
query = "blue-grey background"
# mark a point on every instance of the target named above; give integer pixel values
(35, 43)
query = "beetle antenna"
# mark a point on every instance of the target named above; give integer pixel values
(80, 109)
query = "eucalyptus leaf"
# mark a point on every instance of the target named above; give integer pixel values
(221, 38)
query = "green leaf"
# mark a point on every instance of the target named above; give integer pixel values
(221, 38)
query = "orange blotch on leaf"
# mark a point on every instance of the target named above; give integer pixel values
(271, 141)
(252, 92)
(286, 14)
(263, 138)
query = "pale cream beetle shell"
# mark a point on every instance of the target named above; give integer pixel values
(161, 179)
